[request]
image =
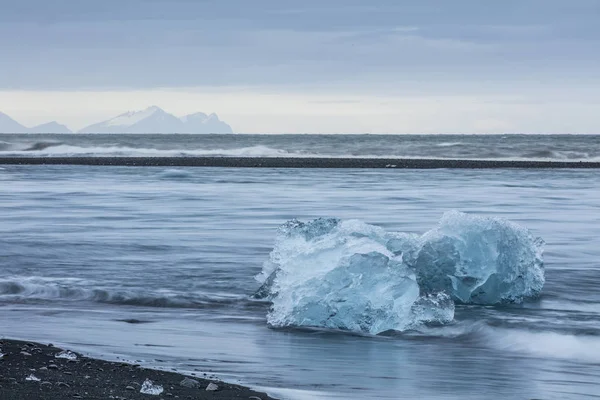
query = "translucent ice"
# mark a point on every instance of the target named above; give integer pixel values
(479, 260)
(340, 275)
(32, 378)
(148, 387)
(353, 276)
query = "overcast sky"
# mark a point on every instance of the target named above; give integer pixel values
(389, 66)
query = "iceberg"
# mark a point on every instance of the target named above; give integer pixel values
(349, 275)
(480, 260)
(338, 274)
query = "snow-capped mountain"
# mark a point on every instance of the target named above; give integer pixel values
(50, 127)
(156, 120)
(9, 125)
(151, 120)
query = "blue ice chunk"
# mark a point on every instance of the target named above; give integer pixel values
(342, 276)
(349, 275)
(480, 260)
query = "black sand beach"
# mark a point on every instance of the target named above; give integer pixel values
(31, 371)
(281, 162)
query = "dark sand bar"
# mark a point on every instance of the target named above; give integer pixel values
(277, 162)
(31, 371)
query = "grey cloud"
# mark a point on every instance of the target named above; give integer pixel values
(75, 44)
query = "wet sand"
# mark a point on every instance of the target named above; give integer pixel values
(280, 162)
(31, 371)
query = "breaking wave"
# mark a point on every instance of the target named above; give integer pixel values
(449, 144)
(63, 150)
(437, 151)
(584, 348)
(32, 289)
(562, 344)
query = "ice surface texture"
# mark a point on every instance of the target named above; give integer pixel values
(353, 276)
(479, 260)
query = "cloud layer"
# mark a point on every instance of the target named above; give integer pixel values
(438, 48)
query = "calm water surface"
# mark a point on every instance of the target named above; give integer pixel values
(82, 248)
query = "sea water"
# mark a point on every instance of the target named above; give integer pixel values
(480, 147)
(157, 266)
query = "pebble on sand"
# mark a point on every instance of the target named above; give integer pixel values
(189, 383)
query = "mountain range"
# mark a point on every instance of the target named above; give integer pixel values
(151, 120)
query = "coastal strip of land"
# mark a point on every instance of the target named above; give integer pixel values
(296, 162)
(34, 371)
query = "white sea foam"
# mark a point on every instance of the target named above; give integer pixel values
(437, 151)
(546, 344)
(18, 288)
(449, 144)
(262, 151)
(69, 150)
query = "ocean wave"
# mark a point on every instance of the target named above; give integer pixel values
(5, 145)
(449, 144)
(173, 173)
(27, 289)
(40, 146)
(545, 344)
(531, 342)
(59, 149)
(562, 155)
(438, 151)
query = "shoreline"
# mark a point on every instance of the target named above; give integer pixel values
(31, 371)
(300, 162)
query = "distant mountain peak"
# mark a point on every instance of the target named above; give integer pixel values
(9, 125)
(153, 109)
(154, 119)
(132, 118)
(198, 115)
(50, 127)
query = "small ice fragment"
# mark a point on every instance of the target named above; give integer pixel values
(148, 387)
(67, 355)
(32, 378)
(1, 355)
(212, 387)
